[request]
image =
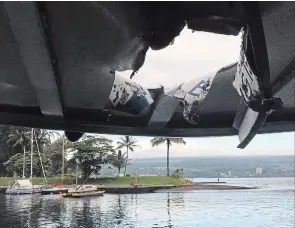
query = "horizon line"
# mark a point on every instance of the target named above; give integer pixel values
(211, 156)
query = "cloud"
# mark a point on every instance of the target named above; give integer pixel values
(192, 55)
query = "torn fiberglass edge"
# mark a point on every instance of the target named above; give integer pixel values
(245, 81)
(192, 95)
(127, 96)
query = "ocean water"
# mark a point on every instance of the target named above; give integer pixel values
(271, 206)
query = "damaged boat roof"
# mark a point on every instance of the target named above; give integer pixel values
(58, 65)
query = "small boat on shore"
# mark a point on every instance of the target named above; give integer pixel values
(19, 187)
(82, 194)
(83, 188)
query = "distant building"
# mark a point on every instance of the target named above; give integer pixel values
(258, 171)
(222, 174)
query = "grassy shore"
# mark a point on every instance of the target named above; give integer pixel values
(141, 180)
(4, 181)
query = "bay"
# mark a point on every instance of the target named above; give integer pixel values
(272, 206)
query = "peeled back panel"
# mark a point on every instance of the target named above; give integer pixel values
(222, 97)
(90, 43)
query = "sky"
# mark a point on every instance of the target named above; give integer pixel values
(263, 144)
(191, 56)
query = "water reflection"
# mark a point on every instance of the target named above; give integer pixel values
(107, 211)
(86, 216)
(213, 209)
(134, 201)
(178, 200)
(168, 210)
(96, 212)
(119, 211)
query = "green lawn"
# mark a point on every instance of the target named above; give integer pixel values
(4, 181)
(141, 180)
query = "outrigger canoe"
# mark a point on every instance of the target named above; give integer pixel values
(82, 194)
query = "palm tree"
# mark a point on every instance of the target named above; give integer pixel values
(19, 137)
(130, 144)
(63, 138)
(118, 160)
(168, 141)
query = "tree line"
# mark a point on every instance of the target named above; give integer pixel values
(50, 149)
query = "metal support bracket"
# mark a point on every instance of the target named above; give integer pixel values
(163, 112)
(252, 79)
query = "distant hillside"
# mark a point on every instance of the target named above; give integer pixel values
(272, 166)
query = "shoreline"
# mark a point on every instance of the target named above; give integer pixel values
(166, 188)
(200, 187)
(146, 184)
(123, 189)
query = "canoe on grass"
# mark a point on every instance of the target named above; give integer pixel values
(83, 194)
(54, 191)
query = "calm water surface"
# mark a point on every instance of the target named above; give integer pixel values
(271, 206)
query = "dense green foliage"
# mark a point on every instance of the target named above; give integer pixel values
(178, 173)
(90, 153)
(15, 149)
(53, 156)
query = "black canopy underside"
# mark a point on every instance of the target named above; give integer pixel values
(58, 62)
